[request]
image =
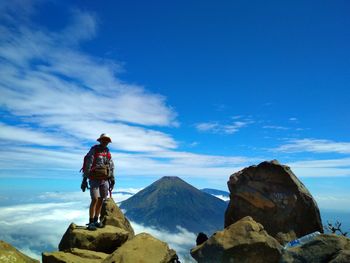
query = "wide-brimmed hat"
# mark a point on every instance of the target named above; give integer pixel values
(104, 136)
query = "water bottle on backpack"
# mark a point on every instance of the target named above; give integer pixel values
(302, 240)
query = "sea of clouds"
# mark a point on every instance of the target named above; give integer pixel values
(38, 226)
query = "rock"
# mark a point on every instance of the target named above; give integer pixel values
(243, 241)
(112, 215)
(74, 255)
(106, 239)
(274, 197)
(324, 248)
(201, 238)
(10, 254)
(143, 248)
(341, 257)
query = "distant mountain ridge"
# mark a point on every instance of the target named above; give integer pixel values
(171, 202)
(216, 192)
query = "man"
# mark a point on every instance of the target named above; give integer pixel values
(98, 167)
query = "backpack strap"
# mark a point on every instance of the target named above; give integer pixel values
(86, 156)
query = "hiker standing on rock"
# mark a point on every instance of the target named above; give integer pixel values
(98, 167)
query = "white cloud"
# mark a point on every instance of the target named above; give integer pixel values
(59, 104)
(40, 92)
(17, 9)
(37, 227)
(79, 97)
(186, 164)
(28, 135)
(333, 202)
(207, 126)
(216, 127)
(315, 146)
(130, 190)
(322, 168)
(209, 167)
(321, 172)
(222, 197)
(30, 157)
(83, 26)
(275, 127)
(324, 163)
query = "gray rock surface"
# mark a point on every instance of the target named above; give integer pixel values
(143, 248)
(113, 216)
(106, 239)
(74, 255)
(243, 241)
(273, 196)
(324, 248)
(10, 254)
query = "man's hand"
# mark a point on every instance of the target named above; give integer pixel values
(111, 183)
(84, 184)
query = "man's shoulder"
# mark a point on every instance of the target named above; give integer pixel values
(98, 147)
(93, 148)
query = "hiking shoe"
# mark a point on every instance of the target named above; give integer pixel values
(91, 226)
(98, 224)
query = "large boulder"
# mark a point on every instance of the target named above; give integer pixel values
(112, 215)
(74, 255)
(323, 248)
(243, 241)
(10, 254)
(143, 248)
(106, 239)
(274, 197)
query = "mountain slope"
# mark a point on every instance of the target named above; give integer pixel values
(171, 202)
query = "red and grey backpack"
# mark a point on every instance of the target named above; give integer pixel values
(98, 152)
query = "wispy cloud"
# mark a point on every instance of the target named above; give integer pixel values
(77, 97)
(333, 201)
(324, 163)
(172, 163)
(216, 127)
(27, 135)
(275, 127)
(322, 168)
(315, 146)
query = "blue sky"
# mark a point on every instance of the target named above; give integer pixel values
(196, 89)
(187, 88)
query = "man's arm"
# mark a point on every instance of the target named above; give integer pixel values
(111, 174)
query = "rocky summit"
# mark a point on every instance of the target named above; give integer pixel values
(243, 241)
(268, 207)
(11, 255)
(272, 195)
(324, 248)
(143, 248)
(115, 242)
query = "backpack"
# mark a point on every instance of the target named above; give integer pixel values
(97, 172)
